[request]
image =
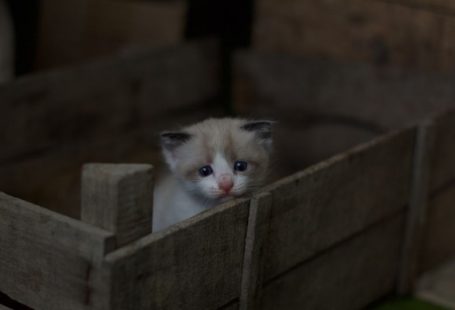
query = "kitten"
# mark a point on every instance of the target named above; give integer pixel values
(6, 44)
(210, 162)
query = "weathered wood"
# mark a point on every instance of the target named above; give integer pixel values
(416, 214)
(336, 199)
(383, 32)
(119, 199)
(196, 264)
(258, 220)
(133, 90)
(439, 239)
(349, 275)
(438, 286)
(48, 261)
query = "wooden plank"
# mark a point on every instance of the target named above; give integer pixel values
(119, 199)
(438, 286)
(382, 32)
(416, 214)
(258, 219)
(335, 199)
(137, 88)
(51, 260)
(196, 264)
(439, 239)
(350, 275)
(442, 163)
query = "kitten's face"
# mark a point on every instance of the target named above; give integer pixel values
(219, 158)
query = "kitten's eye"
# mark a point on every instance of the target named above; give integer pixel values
(205, 171)
(240, 165)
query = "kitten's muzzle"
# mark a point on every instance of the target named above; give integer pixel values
(225, 183)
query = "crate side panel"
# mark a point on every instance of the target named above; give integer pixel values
(337, 198)
(351, 275)
(196, 264)
(47, 260)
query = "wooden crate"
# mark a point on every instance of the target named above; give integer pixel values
(258, 252)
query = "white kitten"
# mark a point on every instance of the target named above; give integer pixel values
(211, 162)
(6, 44)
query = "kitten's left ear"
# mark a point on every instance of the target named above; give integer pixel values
(262, 130)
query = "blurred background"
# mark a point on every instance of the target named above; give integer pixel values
(97, 80)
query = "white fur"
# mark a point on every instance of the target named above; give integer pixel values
(173, 204)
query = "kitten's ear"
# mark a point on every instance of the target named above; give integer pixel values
(263, 131)
(170, 141)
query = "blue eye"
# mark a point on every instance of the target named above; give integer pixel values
(240, 165)
(205, 171)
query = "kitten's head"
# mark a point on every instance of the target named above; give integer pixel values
(219, 158)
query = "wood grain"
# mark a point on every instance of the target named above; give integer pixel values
(336, 199)
(51, 260)
(196, 264)
(350, 275)
(119, 199)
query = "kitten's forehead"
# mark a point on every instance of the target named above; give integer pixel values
(220, 136)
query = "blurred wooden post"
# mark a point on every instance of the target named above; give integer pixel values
(118, 198)
(416, 216)
(258, 221)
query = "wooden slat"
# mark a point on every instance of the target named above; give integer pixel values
(119, 199)
(417, 209)
(337, 198)
(196, 264)
(106, 98)
(256, 236)
(349, 276)
(48, 261)
(375, 31)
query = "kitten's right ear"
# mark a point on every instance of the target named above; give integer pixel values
(170, 141)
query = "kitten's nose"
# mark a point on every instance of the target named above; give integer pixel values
(225, 183)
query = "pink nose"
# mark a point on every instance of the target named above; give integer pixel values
(225, 183)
